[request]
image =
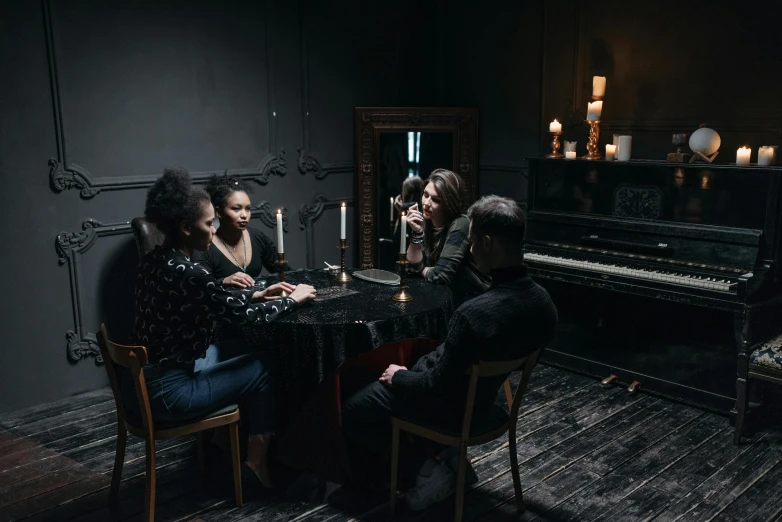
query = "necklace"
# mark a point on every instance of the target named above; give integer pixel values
(243, 266)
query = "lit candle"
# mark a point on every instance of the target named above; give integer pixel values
(742, 156)
(765, 156)
(403, 239)
(342, 211)
(392, 209)
(610, 152)
(598, 85)
(570, 146)
(625, 148)
(280, 249)
(570, 154)
(594, 110)
(555, 126)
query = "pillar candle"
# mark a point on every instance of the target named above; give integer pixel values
(392, 210)
(610, 152)
(570, 154)
(742, 156)
(555, 126)
(280, 249)
(570, 146)
(625, 148)
(594, 110)
(403, 239)
(342, 211)
(765, 156)
(598, 85)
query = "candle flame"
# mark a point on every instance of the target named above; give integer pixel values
(343, 204)
(555, 121)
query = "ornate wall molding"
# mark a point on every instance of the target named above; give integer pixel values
(309, 214)
(65, 175)
(268, 215)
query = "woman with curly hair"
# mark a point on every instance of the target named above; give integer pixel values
(440, 244)
(177, 303)
(239, 252)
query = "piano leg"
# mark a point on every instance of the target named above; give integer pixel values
(742, 328)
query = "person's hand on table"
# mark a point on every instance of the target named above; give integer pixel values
(303, 293)
(415, 220)
(239, 279)
(388, 375)
(273, 292)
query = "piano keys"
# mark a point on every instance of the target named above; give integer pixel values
(629, 237)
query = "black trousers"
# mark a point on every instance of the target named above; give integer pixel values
(366, 422)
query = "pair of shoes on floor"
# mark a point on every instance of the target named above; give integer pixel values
(436, 481)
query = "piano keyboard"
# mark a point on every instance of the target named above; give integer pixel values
(679, 278)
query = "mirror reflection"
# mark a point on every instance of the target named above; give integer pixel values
(405, 160)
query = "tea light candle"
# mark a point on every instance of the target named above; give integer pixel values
(742, 156)
(598, 85)
(280, 249)
(610, 152)
(403, 239)
(555, 126)
(625, 148)
(570, 154)
(342, 211)
(765, 156)
(594, 110)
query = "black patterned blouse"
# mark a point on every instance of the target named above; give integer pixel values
(178, 302)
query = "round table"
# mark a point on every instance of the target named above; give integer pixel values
(345, 320)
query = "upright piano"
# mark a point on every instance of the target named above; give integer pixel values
(663, 273)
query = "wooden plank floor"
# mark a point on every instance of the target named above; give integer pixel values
(586, 453)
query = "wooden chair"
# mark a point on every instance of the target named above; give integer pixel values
(465, 438)
(764, 363)
(134, 358)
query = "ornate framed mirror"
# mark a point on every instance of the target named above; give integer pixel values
(394, 143)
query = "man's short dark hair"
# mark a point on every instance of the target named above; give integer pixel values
(498, 217)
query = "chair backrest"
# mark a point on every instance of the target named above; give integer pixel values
(483, 369)
(133, 358)
(147, 235)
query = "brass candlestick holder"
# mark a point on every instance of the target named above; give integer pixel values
(402, 295)
(555, 146)
(343, 276)
(593, 150)
(281, 269)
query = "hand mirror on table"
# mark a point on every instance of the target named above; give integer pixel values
(375, 275)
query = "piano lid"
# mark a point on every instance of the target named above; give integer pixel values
(717, 195)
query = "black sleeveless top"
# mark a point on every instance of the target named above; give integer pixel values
(264, 255)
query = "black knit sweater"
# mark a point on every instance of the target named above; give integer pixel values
(514, 317)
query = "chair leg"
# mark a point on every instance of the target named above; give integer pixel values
(460, 478)
(394, 466)
(233, 431)
(514, 469)
(149, 496)
(508, 393)
(741, 406)
(202, 442)
(119, 460)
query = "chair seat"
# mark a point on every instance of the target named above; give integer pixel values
(135, 421)
(768, 355)
(483, 422)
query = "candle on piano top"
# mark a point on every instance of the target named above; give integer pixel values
(555, 126)
(570, 154)
(610, 152)
(280, 249)
(625, 148)
(765, 156)
(403, 239)
(594, 110)
(742, 156)
(342, 211)
(598, 86)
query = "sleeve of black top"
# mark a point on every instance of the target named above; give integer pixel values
(443, 371)
(455, 249)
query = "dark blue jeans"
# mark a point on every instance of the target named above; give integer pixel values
(180, 394)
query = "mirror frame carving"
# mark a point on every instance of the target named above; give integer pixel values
(368, 122)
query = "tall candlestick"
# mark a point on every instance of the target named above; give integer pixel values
(403, 239)
(742, 156)
(342, 211)
(598, 86)
(280, 249)
(594, 110)
(391, 218)
(610, 151)
(555, 126)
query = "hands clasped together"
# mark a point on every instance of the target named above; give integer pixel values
(415, 220)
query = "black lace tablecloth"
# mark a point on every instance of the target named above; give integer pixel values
(344, 320)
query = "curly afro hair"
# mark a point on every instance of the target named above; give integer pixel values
(173, 198)
(220, 187)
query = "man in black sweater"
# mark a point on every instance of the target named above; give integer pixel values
(514, 317)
